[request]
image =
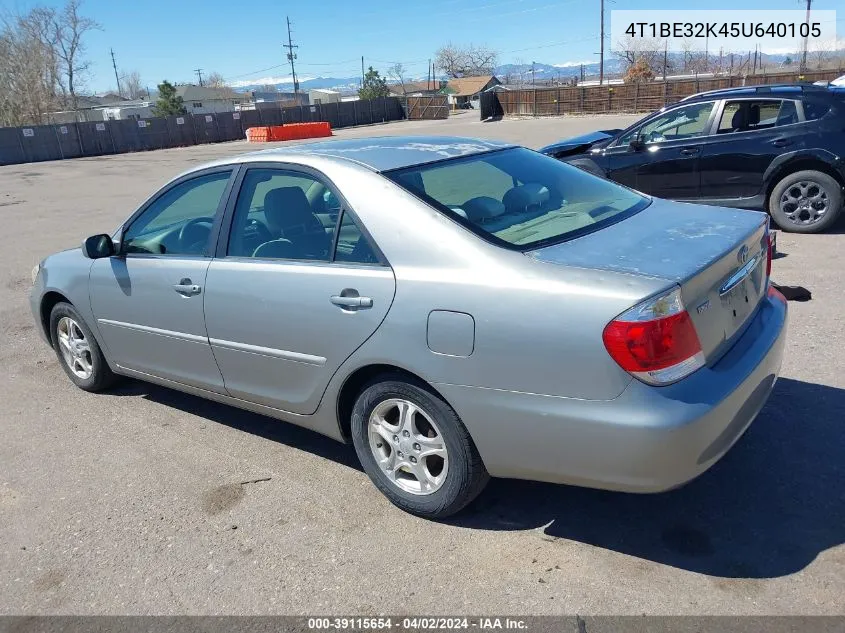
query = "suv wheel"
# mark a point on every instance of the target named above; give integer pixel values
(415, 448)
(77, 350)
(806, 202)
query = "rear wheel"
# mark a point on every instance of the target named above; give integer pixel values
(415, 448)
(77, 350)
(806, 202)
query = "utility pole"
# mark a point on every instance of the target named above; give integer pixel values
(601, 54)
(807, 22)
(665, 59)
(116, 77)
(533, 83)
(292, 56)
(198, 71)
(430, 75)
(362, 71)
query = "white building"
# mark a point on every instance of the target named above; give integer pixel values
(203, 100)
(318, 95)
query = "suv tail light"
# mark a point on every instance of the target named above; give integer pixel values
(655, 341)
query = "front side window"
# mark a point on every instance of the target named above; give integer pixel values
(519, 198)
(179, 221)
(681, 123)
(283, 214)
(746, 115)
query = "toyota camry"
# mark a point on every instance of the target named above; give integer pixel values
(455, 308)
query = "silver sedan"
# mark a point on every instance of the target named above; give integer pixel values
(456, 308)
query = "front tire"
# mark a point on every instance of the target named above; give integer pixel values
(77, 350)
(806, 201)
(415, 448)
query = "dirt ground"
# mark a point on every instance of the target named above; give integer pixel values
(139, 501)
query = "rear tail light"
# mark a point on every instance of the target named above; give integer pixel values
(655, 341)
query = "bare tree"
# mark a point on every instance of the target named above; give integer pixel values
(28, 69)
(397, 73)
(215, 80)
(646, 55)
(466, 62)
(67, 29)
(132, 85)
(268, 88)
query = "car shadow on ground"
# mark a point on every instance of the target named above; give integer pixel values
(253, 423)
(767, 509)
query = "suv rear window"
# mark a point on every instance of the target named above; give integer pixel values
(518, 198)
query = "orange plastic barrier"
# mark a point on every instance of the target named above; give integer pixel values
(289, 132)
(299, 131)
(258, 134)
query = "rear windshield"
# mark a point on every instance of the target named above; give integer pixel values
(519, 198)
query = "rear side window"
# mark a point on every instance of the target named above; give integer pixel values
(815, 109)
(518, 198)
(747, 115)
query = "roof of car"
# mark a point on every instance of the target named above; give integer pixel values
(754, 90)
(386, 152)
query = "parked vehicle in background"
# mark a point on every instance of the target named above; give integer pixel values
(777, 149)
(456, 308)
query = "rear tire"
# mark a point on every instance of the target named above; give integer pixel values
(806, 201)
(415, 448)
(77, 350)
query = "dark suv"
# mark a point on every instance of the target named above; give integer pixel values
(771, 148)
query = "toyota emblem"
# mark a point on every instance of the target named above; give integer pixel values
(742, 255)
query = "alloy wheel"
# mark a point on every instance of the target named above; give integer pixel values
(408, 447)
(74, 348)
(804, 202)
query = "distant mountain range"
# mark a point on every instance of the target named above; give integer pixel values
(517, 72)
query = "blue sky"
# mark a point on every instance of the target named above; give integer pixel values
(167, 39)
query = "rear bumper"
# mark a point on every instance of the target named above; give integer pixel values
(649, 439)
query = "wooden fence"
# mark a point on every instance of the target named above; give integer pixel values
(633, 97)
(427, 107)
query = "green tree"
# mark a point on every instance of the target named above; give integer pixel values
(374, 86)
(168, 101)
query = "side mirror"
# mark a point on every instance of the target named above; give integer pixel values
(637, 143)
(98, 246)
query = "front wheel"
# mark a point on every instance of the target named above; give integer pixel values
(806, 202)
(77, 349)
(415, 448)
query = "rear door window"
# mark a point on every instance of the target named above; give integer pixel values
(744, 115)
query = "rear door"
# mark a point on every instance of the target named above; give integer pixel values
(289, 299)
(749, 135)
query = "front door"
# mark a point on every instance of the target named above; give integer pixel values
(668, 151)
(287, 303)
(148, 299)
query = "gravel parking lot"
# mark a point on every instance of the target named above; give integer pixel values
(145, 500)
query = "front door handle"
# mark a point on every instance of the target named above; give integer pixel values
(690, 151)
(351, 302)
(187, 288)
(782, 142)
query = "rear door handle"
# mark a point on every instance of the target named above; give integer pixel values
(187, 288)
(351, 302)
(690, 151)
(781, 142)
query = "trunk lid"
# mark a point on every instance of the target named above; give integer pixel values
(716, 255)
